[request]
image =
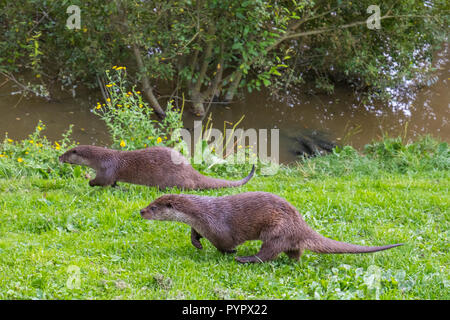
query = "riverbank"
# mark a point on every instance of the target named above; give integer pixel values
(61, 239)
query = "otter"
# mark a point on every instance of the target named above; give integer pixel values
(231, 220)
(154, 166)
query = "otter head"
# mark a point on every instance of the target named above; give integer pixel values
(79, 155)
(163, 208)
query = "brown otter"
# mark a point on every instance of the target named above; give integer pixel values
(231, 220)
(155, 166)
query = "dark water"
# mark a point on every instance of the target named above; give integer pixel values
(341, 116)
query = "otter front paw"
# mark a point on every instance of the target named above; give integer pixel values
(100, 183)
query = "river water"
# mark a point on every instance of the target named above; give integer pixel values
(344, 119)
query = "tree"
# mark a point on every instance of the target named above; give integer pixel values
(210, 48)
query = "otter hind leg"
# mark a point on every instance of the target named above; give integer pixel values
(195, 239)
(266, 253)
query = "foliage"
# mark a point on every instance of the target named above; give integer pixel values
(212, 48)
(129, 118)
(36, 155)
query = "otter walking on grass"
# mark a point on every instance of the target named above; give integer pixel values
(155, 166)
(231, 220)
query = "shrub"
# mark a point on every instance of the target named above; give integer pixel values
(35, 155)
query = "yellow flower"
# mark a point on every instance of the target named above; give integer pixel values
(129, 93)
(39, 128)
(140, 105)
(158, 140)
(114, 67)
(122, 143)
(19, 160)
(98, 107)
(57, 146)
(10, 140)
(38, 76)
(108, 100)
(31, 141)
(150, 138)
(109, 85)
(119, 105)
(2, 155)
(138, 92)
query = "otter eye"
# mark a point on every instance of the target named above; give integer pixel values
(74, 151)
(169, 205)
(153, 208)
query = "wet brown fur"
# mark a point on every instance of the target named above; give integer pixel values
(231, 220)
(154, 166)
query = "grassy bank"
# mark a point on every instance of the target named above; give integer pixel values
(61, 239)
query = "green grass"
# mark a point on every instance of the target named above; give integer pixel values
(49, 225)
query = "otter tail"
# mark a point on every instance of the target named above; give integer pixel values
(321, 244)
(212, 183)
